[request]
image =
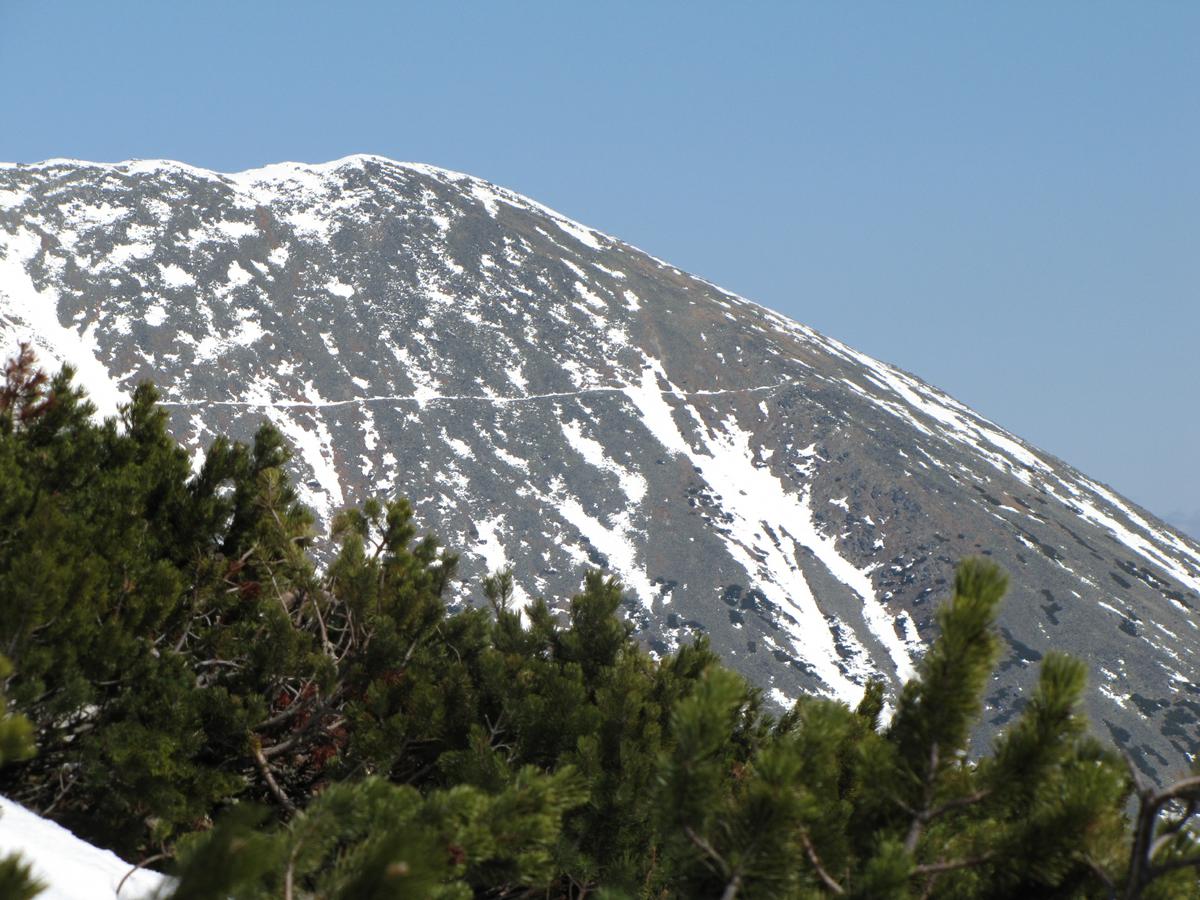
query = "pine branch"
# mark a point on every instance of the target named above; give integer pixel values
(731, 889)
(1147, 840)
(157, 857)
(952, 864)
(708, 850)
(956, 803)
(811, 851)
(919, 818)
(1157, 869)
(1102, 875)
(269, 778)
(1172, 829)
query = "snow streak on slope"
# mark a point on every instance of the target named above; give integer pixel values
(32, 315)
(956, 422)
(762, 513)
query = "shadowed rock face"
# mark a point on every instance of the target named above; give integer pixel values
(552, 398)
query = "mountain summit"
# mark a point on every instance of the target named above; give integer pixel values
(552, 398)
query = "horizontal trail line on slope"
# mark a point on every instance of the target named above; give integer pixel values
(405, 398)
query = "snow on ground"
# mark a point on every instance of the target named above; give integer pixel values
(73, 869)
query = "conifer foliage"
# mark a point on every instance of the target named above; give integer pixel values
(16, 743)
(202, 694)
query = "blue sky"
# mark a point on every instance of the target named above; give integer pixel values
(1001, 198)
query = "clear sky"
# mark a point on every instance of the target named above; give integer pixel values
(1001, 198)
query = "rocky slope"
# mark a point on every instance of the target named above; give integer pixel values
(551, 398)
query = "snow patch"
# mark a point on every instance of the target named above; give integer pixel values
(155, 315)
(175, 277)
(633, 485)
(759, 509)
(32, 315)
(237, 275)
(339, 289)
(490, 549)
(615, 541)
(71, 868)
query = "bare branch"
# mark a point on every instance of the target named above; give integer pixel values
(289, 874)
(956, 803)
(285, 745)
(269, 778)
(952, 864)
(1143, 832)
(918, 823)
(1102, 875)
(1135, 774)
(708, 850)
(1187, 789)
(731, 889)
(157, 857)
(1172, 864)
(1171, 830)
(827, 879)
(64, 787)
(292, 710)
(326, 645)
(215, 663)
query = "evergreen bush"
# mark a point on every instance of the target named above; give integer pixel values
(200, 690)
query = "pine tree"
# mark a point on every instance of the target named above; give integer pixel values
(829, 803)
(144, 655)
(182, 660)
(371, 838)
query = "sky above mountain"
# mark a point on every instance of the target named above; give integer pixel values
(1003, 200)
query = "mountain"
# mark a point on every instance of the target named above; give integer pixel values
(552, 398)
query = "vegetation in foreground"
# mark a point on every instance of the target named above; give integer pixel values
(204, 698)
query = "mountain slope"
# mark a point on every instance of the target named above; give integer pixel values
(551, 397)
